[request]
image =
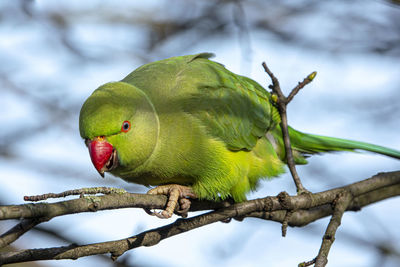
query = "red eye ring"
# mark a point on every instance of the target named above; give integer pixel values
(126, 126)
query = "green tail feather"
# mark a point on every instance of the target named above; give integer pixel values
(314, 144)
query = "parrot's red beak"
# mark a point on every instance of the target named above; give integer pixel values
(103, 155)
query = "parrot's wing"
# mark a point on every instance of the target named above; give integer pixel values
(233, 108)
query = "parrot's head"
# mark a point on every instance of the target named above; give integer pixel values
(120, 127)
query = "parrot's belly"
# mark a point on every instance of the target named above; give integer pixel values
(149, 178)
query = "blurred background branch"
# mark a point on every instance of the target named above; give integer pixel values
(54, 54)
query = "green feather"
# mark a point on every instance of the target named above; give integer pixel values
(314, 144)
(196, 123)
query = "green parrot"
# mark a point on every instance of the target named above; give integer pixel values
(194, 129)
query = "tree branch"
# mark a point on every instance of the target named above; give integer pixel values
(341, 203)
(18, 230)
(306, 208)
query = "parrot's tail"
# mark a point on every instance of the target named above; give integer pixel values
(306, 144)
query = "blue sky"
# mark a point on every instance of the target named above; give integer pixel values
(351, 94)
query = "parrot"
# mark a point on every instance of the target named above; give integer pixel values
(193, 129)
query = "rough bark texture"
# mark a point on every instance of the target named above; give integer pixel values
(306, 209)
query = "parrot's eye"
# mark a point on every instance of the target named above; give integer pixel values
(126, 126)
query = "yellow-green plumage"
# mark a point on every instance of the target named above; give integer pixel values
(196, 123)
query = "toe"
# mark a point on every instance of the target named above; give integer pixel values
(175, 193)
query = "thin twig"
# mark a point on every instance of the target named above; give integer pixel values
(81, 192)
(295, 90)
(285, 222)
(282, 102)
(341, 204)
(307, 263)
(285, 201)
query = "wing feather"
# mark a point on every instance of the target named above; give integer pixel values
(233, 108)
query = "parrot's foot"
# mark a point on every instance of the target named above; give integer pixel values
(175, 193)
